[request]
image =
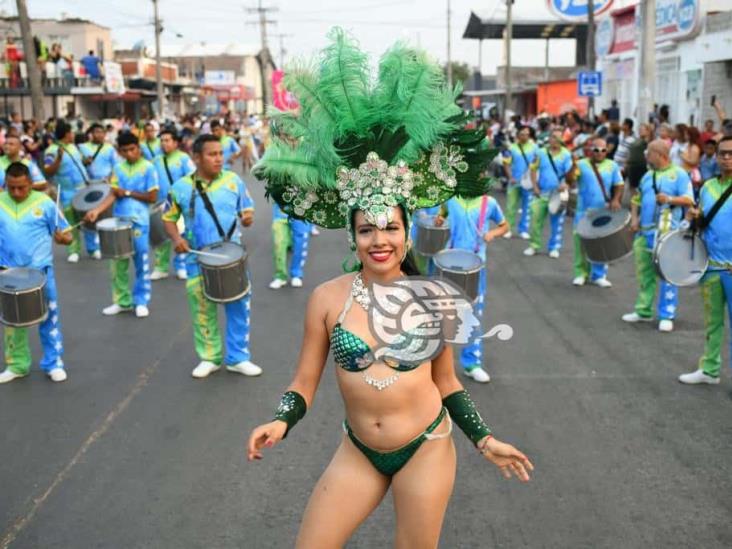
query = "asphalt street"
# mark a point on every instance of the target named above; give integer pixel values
(131, 452)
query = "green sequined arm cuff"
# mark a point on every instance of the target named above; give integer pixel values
(466, 416)
(292, 409)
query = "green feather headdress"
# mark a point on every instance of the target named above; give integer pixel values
(356, 143)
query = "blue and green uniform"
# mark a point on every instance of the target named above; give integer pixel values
(151, 149)
(230, 198)
(466, 233)
(590, 197)
(104, 161)
(657, 220)
(716, 284)
(550, 177)
(35, 171)
(26, 240)
(70, 177)
(289, 233)
(179, 164)
(519, 157)
(230, 147)
(139, 177)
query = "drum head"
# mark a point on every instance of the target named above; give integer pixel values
(19, 279)
(461, 261)
(428, 222)
(602, 222)
(675, 260)
(229, 252)
(113, 224)
(90, 197)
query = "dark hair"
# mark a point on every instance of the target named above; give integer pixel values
(694, 136)
(628, 122)
(127, 138)
(95, 126)
(711, 142)
(215, 124)
(171, 132)
(62, 130)
(201, 141)
(725, 139)
(17, 169)
(149, 124)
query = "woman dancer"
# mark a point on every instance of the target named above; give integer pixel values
(393, 147)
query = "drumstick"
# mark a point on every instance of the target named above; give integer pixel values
(208, 254)
(58, 203)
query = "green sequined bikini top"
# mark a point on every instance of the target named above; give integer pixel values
(351, 352)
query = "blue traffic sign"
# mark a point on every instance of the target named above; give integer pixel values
(589, 83)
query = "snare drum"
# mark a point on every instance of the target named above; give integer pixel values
(158, 235)
(89, 198)
(680, 257)
(460, 267)
(430, 238)
(22, 302)
(558, 202)
(225, 276)
(526, 183)
(115, 238)
(606, 235)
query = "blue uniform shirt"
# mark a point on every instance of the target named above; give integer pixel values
(513, 157)
(35, 171)
(463, 216)
(590, 194)
(230, 147)
(71, 175)
(138, 177)
(26, 230)
(718, 235)
(150, 149)
(179, 165)
(673, 181)
(548, 180)
(104, 162)
(708, 167)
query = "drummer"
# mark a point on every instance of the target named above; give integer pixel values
(151, 145)
(100, 157)
(548, 172)
(231, 203)
(63, 163)
(134, 187)
(288, 232)
(229, 146)
(470, 230)
(12, 148)
(171, 165)
(717, 282)
(592, 195)
(517, 160)
(656, 208)
(29, 224)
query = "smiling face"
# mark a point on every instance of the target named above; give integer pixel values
(380, 250)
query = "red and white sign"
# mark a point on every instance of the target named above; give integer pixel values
(624, 33)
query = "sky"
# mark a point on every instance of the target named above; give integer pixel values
(375, 24)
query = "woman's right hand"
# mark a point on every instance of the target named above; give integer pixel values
(265, 436)
(439, 221)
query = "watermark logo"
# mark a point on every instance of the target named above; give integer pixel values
(413, 318)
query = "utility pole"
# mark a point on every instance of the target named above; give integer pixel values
(647, 81)
(283, 51)
(264, 57)
(509, 34)
(158, 68)
(591, 63)
(31, 63)
(449, 48)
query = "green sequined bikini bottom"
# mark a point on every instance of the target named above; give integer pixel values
(389, 463)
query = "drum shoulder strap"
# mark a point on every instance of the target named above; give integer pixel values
(521, 150)
(481, 220)
(599, 180)
(551, 160)
(167, 169)
(707, 219)
(82, 171)
(212, 212)
(96, 153)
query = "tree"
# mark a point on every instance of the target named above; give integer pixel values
(460, 71)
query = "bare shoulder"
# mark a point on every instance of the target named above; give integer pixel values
(329, 297)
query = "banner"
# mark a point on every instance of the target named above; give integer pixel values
(576, 10)
(282, 99)
(113, 79)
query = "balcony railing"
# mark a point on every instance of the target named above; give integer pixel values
(56, 85)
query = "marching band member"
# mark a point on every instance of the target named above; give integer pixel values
(134, 187)
(151, 145)
(470, 230)
(600, 184)
(516, 164)
(656, 209)
(552, 165)
(29, 224)
(64, 165)
(717, 282)
(212, 200)
(12, 148)
(288, 232)
(171, 165)
(229, 146)
(100, 158)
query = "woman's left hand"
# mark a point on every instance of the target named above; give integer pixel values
(509, 460)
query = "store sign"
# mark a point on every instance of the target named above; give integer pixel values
(113, 79)
(676, 19)
(589, 83)
(576, 10)
(625, 31)
(604, 37)
(219, 78)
